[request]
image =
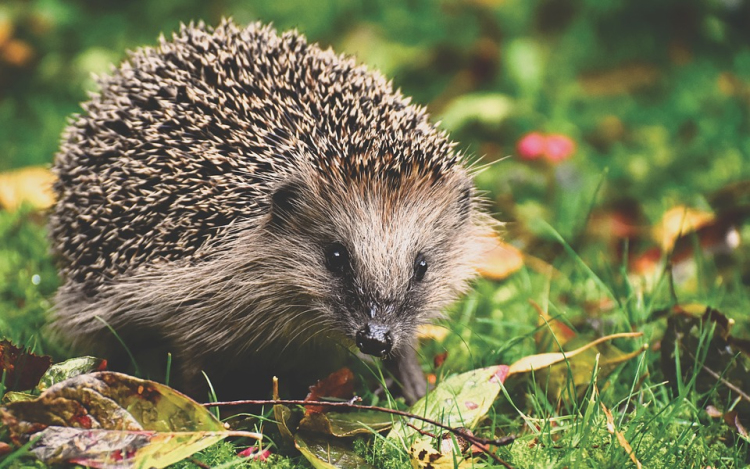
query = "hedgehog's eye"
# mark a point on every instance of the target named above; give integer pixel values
(420, 267)
(337, 258)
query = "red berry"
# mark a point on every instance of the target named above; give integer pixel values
(532, 146)
(559, 147)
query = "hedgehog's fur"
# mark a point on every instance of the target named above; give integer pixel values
(198, 190)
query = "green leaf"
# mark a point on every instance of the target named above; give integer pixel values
(59, 372)
(344, 425)
(459, 401)
(329, 453)
(15, 396)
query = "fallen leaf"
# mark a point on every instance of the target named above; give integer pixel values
(500, 259)
(344, 425)
(15, 396)
(422, 455)
(732, 419)
(339, 384)
(329, 453)
(432, 331)
(676, 222)
(459, 401)
(118, 449)
(110, 420)
(544, 360)
(578, 369)
(59, 372)
(283, 416)
(724, 358)
(22, 369)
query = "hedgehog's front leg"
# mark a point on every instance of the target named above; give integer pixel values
(406, 369)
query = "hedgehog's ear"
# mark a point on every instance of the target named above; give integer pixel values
(284, 202)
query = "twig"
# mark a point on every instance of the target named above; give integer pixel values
(479, 441)
(421, 432)
(723, 381)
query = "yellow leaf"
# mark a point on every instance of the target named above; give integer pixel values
(543, 360)
(678, 221)
(423, 456)
(500, 260)
(432, 331)
(32, 185)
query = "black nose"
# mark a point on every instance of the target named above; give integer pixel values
(374, 339)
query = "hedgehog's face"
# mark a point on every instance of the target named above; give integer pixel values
(379, 261)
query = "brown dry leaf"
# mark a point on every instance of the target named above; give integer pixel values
(339, 384)
(22, 370)
(618, 434)
(725, 360)
(500, 259)
(621, 80)
(676, 222)
(32, 185)
(732, 419)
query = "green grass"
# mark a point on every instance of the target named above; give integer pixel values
(28, 280)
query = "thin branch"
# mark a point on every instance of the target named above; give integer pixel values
(479, 441)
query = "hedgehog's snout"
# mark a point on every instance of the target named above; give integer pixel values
(374, 339)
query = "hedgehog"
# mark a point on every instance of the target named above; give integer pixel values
(257, 206)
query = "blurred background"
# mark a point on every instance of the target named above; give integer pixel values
(618, 126)
(652, 95)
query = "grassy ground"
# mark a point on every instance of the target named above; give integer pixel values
(655, 98)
